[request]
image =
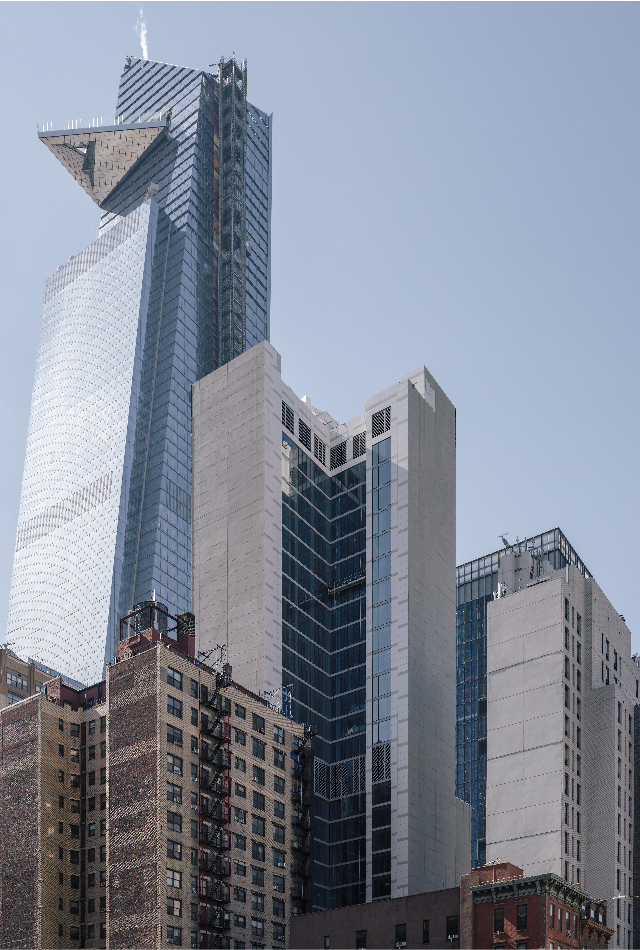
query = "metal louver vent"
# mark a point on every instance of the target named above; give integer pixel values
(319, 450)
(381, 762)
(348, 777)
(304, 434)
(287, 416)
(359, 444)
(381, 422)
(321, 778)
(338, 455)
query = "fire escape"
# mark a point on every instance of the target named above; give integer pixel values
(215, 815)
(301, 827)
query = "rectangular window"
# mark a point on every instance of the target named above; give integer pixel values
(174, 936)
(278, 735)
(240, 737)
(257, 900)
(258, 724)
(240, 868)
(258, 800)
(401, 935)
(453, 928)
(257, 825)
(174, 707)
(278, 883)
(521, 917)
(257, 927)
(241, 791)
(278, 784)
(258, 775)
(278, 858)
(174, 736)
(174, 850)
(278, 833)
(258, 749)
(425, 931)
(498, 920)
(240, 842)
(257, 851)
(240, 894)
(174, 793)
(174, 907)
(278, 758)
(174, 678)
(240, 764)
(174, 764)
(241, 712)
(278, 811)
(174, 878)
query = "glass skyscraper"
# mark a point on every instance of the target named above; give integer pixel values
(177, 284)
(324, 559)
(477, 583)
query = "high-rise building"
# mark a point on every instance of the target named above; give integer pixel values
(324, 561)
(560, 690)
(176, 284)
(165, 806)
(477, 583)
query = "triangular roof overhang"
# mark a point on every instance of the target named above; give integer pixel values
(99, 158)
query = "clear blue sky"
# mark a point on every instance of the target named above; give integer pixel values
(454, 184)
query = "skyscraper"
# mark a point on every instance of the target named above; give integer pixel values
(324, 560)
(176, 284)
(477, 582)
(560, 690)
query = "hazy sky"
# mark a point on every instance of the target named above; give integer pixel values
(453, 184)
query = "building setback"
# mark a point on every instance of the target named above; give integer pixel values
(177, 283)
(324, 562)
(170, 807)
(561, 688)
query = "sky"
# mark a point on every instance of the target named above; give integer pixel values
(454, 185)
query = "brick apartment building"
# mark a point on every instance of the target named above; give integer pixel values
(494, 907)
(19, 679)
(165, 806)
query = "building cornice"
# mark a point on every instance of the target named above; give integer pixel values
(496, 891)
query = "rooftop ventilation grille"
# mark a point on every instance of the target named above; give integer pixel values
(381, 422)
(304, 434)
(287, 416)
(319, 450)
(338, 455)
(359, 444)
(381, 762)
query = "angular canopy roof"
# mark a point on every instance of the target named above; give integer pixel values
(99, 158)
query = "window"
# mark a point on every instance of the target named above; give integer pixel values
(258, 800)
(258, 749)
(174, 821)
(240, 764)
(194, 744)
(92, 752)
(174, 936)
(174, 793)
(578, 681)
(278, 735)
(278, 883)
(74, 805)
(91, 829)
(579, 652)
(278, 858)
(257, 850)
(174, 736)
(326, 943)
(453, 930)
(258, 775)
(103, 801)
(278, 784)
(578, 765)
(174, 678)
(521, 917)
(174, 878)
(194, 688)
(174, 850)
(278, 810)
(239, 842)
(91, 855)
(361, 939)
(257, 825)
(241, 791)
(278, 907)
(174, 764)
(566, 609)
(425, 931)
(257, 927)
(579, 709)
(74, 933)
(61, 750)
(240, 815)
(103, 852)
(240, 736)
(257, 876)
(194, 716)
(240, 894)
(567, 698)
(18, 680)
(258, 724)
(257, 900)
(174, 707)
(241, 712)
(278, 758)
(278, 931)
(240, 868)
(278, 833)
(239, 920)
(567, 728)
(498, 920)
(401, 935)
(174, 907)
